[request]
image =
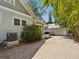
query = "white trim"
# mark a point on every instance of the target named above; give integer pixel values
(20, 21)
(0, 17)
(14, 2)
(13, 21)
(10, 2)
(27, 7)
(14, 11)
(24, 20)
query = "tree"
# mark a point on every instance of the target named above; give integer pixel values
(34, 7)
(50, 18)
(46, 2)
(67, 13)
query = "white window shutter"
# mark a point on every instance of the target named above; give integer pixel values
(0, 17)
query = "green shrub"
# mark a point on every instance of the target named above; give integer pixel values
(31, 33)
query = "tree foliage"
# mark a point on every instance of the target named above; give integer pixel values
(34, 7)
(46, 2)
(67, 13)
(50, 19)
(33, 4)
(31, 33)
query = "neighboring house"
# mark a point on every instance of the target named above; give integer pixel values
(56, 29)
(13, 16)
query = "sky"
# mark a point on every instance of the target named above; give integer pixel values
(45, 11)
(46, 15)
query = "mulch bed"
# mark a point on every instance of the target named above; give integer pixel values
(22, 51)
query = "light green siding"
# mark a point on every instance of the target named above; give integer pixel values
(7, 23)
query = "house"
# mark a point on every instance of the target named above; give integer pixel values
(56, 29)
(14, 14)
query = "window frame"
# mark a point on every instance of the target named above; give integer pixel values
(17, 24)
(25, 23)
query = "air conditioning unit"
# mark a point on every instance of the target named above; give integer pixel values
(11, 37)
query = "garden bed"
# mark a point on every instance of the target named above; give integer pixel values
(23, 51)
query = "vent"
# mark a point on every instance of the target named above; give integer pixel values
(11, 37)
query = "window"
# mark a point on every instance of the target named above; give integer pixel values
(0, 17)
(16, 21)
(11, 1)
(23, 23)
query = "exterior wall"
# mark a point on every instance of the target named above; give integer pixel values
(7, 24)
(57, 31)
(17, 7)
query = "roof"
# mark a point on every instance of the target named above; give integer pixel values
(55, 26)
(26, 6)
(51, 26)
(29, 9)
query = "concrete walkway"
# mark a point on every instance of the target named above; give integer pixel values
(58, 47)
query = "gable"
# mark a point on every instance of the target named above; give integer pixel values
(18, 6)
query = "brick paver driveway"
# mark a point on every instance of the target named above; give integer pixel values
(58, 47)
